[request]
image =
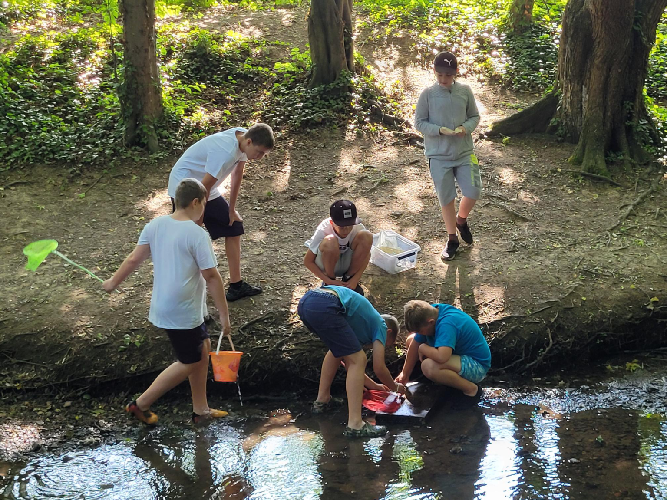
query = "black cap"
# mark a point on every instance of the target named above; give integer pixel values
(445, 62)
(344, 213)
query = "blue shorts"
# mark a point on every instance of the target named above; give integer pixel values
(323, 314)
(472, 370)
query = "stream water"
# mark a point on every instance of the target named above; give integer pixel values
(593, 438)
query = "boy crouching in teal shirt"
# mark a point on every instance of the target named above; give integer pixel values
(184, 265)
(450, 345)
(346, 321)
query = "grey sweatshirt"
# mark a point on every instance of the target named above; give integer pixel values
(440, 107)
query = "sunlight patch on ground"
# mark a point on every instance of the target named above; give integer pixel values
(16, 437)
(281, 176)
(158, 203)
(509, 177)
(528, 197)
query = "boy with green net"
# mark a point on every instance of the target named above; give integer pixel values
(184, 266)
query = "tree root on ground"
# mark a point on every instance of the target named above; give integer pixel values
(634, 204)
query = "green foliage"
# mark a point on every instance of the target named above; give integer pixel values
(53, 110)
(656, 80)
(477, 32)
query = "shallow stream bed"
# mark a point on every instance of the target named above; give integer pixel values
(600, 436)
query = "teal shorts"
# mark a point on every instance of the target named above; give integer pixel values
(472, 370)
(445, 178)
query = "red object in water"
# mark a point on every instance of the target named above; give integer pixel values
(384, 401)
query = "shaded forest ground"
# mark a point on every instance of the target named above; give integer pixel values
(564, 268)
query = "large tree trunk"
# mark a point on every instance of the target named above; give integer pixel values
(330, 37)
(141, 98)
(521, 14)
(602, 66)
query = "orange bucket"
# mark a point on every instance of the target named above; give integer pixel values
(225, 365)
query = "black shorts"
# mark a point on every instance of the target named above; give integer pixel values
(188, 344)
(216, 219)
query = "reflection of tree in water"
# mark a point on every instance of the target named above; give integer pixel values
(409, 460)
(653, 452)
(283, 460)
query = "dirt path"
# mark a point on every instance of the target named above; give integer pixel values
(557, 271)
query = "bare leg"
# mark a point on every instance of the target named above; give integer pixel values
(170, 377)
(329, 368)
(449, 216)
(354, 383)
(198, 381)
(448, 374)
(233, 251)
(361, 256)
(330, 255)
(465, 207)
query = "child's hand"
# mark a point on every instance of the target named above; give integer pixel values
(226, 326)
(401, 379)
(108, 286)
(329, 281)
(460, 131)
(400, 388)
(234, 216)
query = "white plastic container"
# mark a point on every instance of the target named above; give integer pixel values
(403, 255)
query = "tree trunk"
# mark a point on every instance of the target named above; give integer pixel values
(602, 66)
(330, 37)
(521, 14)
(141, 98)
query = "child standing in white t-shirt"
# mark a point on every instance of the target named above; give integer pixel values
(184, 265)
(340, 247)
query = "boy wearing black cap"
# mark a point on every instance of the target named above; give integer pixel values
(446, 115)
(339, 251)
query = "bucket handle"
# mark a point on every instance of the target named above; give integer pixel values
(220, 340)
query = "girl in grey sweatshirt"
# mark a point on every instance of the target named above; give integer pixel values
(446, 115)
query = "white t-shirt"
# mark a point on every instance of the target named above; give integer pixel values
(325, 229)
(217, 155)
(180, 251)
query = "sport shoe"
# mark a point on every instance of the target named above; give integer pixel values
(450, 250)
(465, 233)
(367, 430)
(209, 415)
(147, 416)
(319, 407)
(244, 289)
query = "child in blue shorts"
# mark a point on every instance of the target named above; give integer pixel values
(346, 321)
(450, 345)
(184, 265)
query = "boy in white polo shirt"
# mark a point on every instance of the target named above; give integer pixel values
(184, 265)
(340, 247)
(211, 160)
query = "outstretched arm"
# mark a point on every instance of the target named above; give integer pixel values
(411, 359)
(381, 370)
(129, 265)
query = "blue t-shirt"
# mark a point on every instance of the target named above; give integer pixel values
(457, 330)
(365, 321)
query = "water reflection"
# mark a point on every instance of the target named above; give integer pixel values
(499, 450)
